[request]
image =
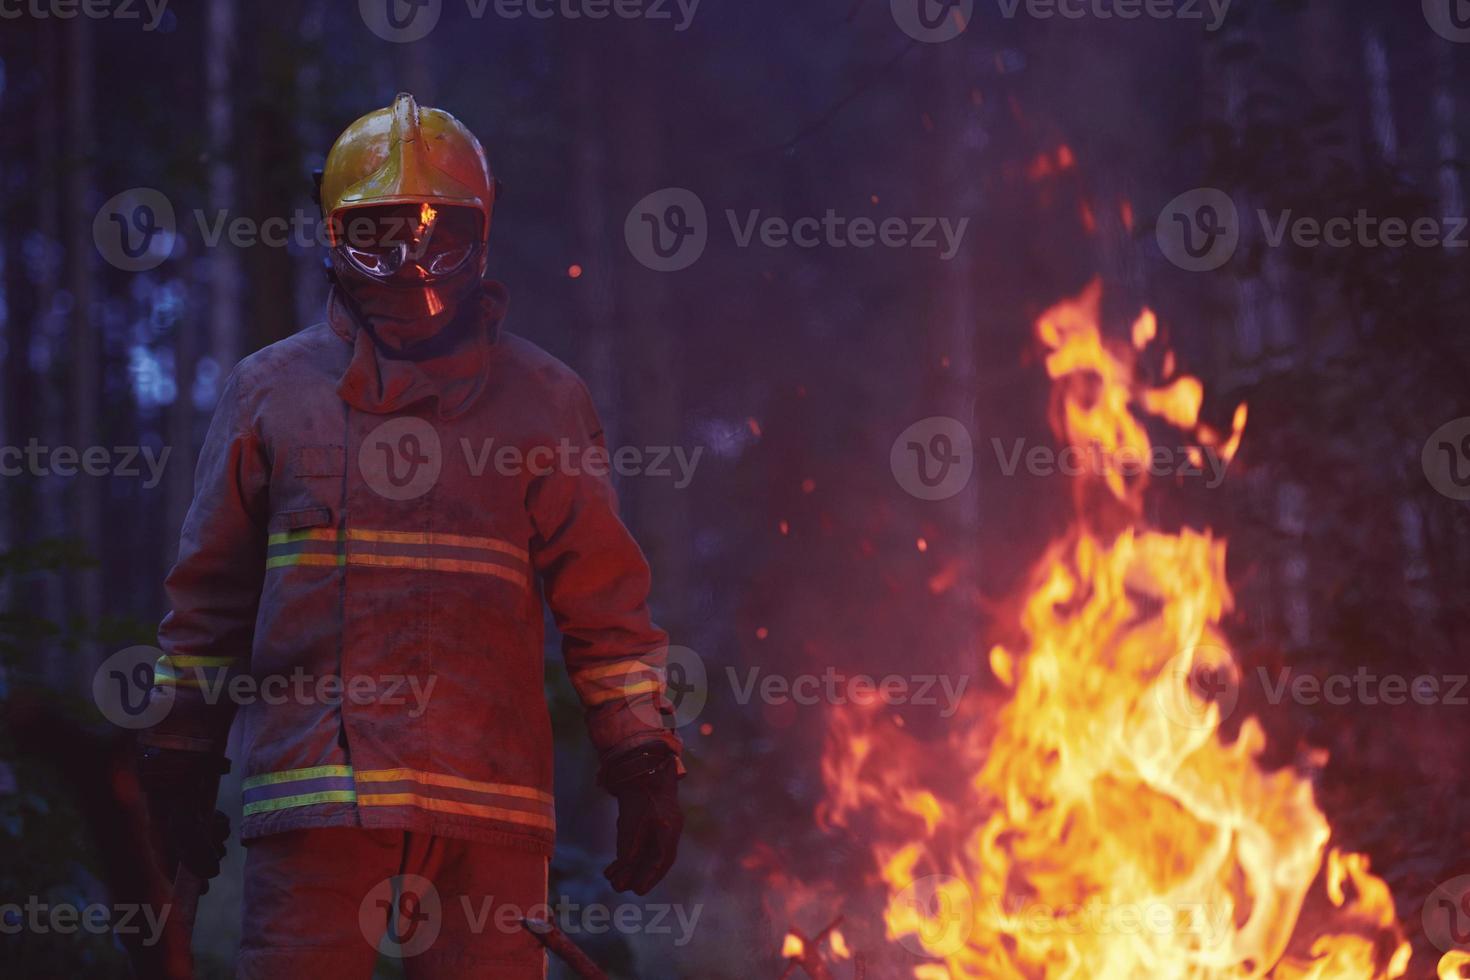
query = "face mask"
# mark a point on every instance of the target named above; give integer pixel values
(409, 269)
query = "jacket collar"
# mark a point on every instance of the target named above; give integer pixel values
(454, 379)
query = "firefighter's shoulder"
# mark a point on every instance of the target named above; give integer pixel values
(531, 363)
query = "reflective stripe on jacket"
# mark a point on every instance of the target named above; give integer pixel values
(369, 546)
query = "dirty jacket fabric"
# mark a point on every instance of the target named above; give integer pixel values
(365, 561)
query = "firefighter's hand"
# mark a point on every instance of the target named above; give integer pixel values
(185, 827)
(646, 783)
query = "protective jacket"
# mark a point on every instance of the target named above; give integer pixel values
(369, 546)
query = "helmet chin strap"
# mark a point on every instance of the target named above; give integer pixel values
(439, 342)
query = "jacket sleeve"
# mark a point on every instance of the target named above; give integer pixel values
(214, 587)
(597, 583)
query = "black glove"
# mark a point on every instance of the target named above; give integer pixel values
(186, 828)
(646, 783)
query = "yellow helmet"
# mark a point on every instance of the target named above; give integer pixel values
(405, 154)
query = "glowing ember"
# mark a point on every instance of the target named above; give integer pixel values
(1100, 825)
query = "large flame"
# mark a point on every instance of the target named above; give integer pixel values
(1101, 825)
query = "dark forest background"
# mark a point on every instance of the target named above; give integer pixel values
(793, 548)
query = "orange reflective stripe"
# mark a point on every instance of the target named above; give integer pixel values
(423, 563)
(433, 538)
(453, 782)
(612, 669)
(454, 806)
(614, 693)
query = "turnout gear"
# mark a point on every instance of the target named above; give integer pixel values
(408, 197)
(646, 784)
(373, 536)
(383, 504)
(187, 830)
(322, 903)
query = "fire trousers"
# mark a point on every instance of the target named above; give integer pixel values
(324, 903)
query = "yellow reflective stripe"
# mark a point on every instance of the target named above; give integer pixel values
(436, 538)
(437, 565)
(305, 534)
(452, 782)
(292, 775)
(454, 806)
(168, 680)
(188, 660)
(304, 558)
(610, 670)
(305, 799)
(613, 693)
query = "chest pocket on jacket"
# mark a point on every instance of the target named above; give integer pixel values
(311, 483)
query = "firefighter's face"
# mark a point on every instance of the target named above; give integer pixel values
(409, 267)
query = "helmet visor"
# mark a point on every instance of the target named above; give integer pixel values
(416, 243)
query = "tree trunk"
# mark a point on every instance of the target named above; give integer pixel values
(84, 349)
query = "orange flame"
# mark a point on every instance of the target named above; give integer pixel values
(1098, 825)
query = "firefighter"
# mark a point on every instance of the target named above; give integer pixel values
(379, 497)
